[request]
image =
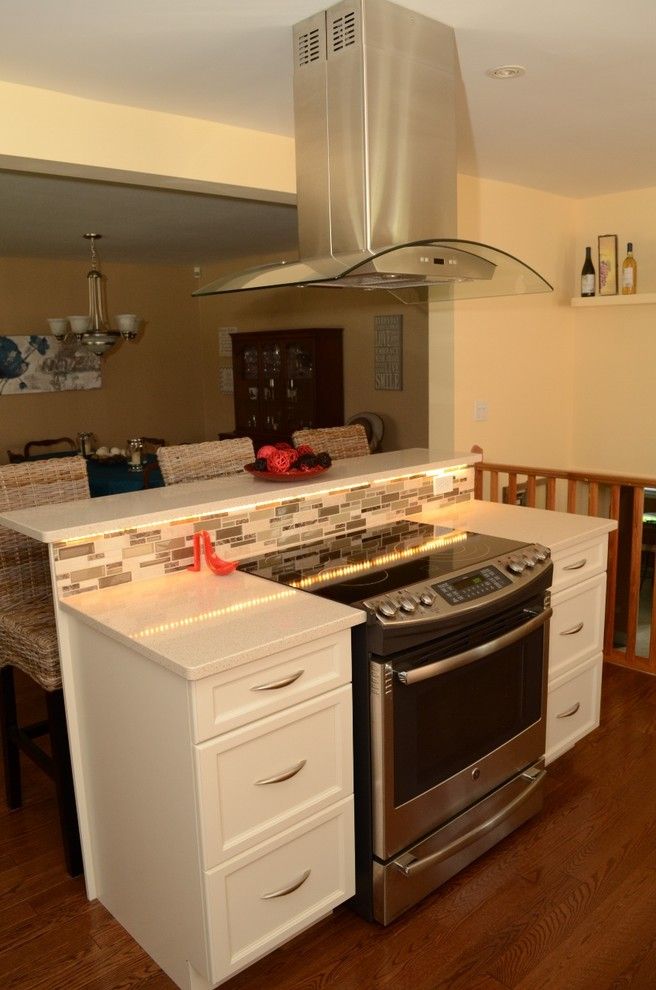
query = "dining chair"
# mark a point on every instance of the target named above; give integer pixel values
(199, 461)
(338, 441)
(33, 446)
(152, 444)
(28, 638)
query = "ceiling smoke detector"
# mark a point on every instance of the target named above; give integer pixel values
(506, 72)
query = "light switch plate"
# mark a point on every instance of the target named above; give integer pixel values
(442, 483)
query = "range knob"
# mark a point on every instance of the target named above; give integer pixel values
(386, 608)
(407, 605)
(529, 561)
(516, 566)
(427, 598)
(542, 553)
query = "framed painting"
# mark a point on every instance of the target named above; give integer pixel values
(607, 264)
(45, 364)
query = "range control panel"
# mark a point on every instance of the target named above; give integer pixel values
(488, 581)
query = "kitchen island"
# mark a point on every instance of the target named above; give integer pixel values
(179, 685)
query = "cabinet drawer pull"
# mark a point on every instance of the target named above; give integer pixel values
(570, 711)
(572, 632)
(283, 775)
(577, 566)
(274, 685)
(287, 890)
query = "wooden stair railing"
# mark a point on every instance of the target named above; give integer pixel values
(610, 496)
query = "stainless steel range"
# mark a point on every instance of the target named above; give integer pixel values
(449, 684)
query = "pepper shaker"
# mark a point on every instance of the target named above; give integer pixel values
(135, 454)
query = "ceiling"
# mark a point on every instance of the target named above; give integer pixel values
(580, 122)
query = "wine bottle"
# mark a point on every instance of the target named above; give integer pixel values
(629, 272)
(588, 275)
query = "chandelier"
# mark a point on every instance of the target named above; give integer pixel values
(92, 332)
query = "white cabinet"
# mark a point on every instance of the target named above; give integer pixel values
(221, 809)
(575, 644)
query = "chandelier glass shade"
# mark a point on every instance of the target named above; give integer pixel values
(92, 332)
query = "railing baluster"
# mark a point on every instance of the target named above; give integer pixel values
(611, 572)
(530, 491)
(551, 493)
(512, 488)
(634, 575)
(593, 498)
(494, 486)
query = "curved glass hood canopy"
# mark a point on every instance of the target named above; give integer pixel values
(375, 130)
(461, 269)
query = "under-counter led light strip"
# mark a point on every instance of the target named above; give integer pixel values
(216, 613)
(393, 557)
(253, 506)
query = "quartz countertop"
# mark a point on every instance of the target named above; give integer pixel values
(196, 624)
(99, 516)
(555, 530)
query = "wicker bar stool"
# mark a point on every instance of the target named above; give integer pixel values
(338, 441)
(199, 461)
(28, 637)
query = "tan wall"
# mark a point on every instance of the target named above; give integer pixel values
(615, 348)
(405, 413)
(149, 388)
(514, 353)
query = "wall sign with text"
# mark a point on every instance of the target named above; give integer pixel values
(388, 353)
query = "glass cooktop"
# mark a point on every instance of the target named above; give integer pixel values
(357, 565)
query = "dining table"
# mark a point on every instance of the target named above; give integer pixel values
(113, 475)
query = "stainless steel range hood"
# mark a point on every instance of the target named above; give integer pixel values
(374, 116)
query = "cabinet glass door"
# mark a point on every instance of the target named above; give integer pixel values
(247, 388)
(272, 383)
(300, 384)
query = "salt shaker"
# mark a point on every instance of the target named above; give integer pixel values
(135, 454)
(84, 443)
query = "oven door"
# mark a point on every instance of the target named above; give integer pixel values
(450, 724)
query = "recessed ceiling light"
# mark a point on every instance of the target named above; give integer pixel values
(506, 72)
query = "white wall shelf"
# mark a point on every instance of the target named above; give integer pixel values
(640, 298)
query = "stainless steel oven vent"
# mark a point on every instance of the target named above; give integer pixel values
(374, 118)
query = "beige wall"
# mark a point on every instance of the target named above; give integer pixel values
(513, 353)
(44, 131)
(149, 388)
(404, 413)
(614, 349)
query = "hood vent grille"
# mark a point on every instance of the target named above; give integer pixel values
(343, 31)
(374, 119)
(309, 47)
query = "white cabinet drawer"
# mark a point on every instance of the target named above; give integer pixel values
(573, 707)
(579, 563)
(577, 625)
(264, 777)
(258, 900)
(235, 697)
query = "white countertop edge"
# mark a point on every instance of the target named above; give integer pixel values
(99, 516)
(555, 530)
(116, 613)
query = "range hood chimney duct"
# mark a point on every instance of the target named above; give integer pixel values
(375, 130)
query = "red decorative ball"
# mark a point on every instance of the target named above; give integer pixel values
(280, 460)
(283, 445)
(304, 448)
(266, 450)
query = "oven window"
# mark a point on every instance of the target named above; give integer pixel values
(447, 723)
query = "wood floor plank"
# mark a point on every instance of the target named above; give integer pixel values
(567, 902)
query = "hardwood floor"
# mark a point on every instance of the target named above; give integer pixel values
(568, 902)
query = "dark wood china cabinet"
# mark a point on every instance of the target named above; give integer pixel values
(286, 380)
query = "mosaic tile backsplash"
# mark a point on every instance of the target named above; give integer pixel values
(140, 554)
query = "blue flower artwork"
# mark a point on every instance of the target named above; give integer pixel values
(45, 364)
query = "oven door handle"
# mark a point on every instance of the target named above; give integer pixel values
(409, 866)
(476, 653)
